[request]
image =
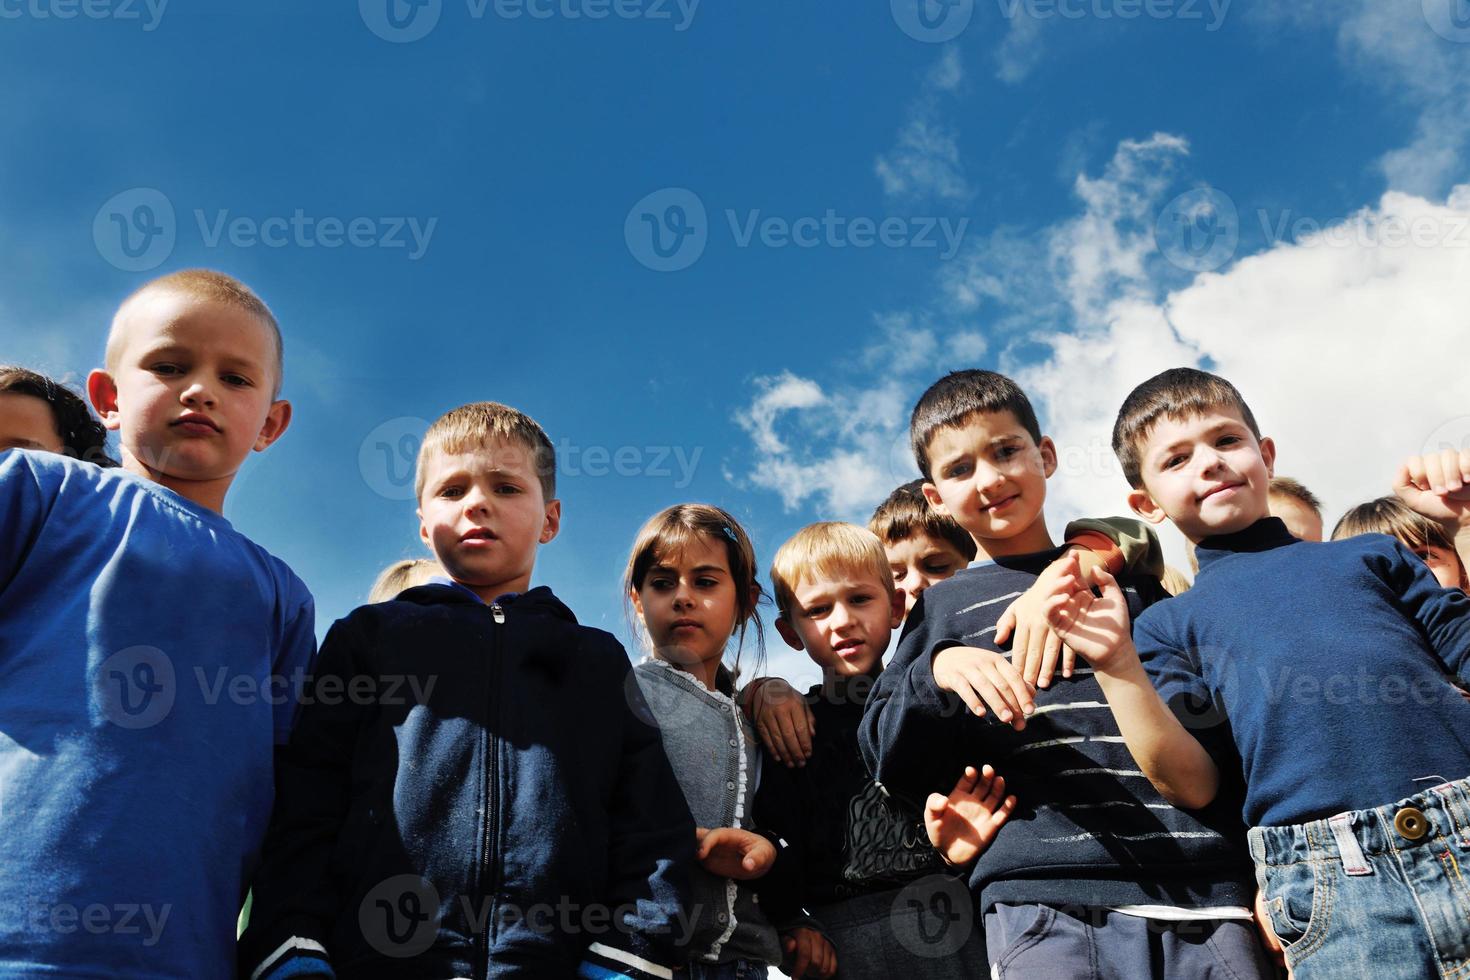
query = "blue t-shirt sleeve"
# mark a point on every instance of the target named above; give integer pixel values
(1443, 614)
(22, 508)
(1179, 678)
(294, 659)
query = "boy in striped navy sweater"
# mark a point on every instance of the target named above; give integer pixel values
(1096, 874)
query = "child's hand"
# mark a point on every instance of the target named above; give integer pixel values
(1437, 486)
(982, 677)
(1268, 935)
(1037, 647)
(1096, 627)
(962, 824)
(809, 953)
(783, 720)
(730, 852)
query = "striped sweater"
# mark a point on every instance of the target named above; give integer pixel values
(1089, 828)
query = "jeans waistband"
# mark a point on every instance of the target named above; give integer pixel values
(1440, 814)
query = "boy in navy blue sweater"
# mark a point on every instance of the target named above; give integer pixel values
(1095, 867)
(1332, 667)
(470, 791)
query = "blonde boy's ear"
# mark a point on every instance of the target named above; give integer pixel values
(1143, 504)
(789, 634)
(552, 523)
(1048, 456)
(897, 607)
(931, 494)
(102, 390)
(1268, 454)
(276, 420)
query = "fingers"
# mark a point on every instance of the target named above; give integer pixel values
(1005, 624)
(826, 958)
(791, 746)
(995, 790)
(1001, 815)
(811, 727)
(969, 779)
(803, 954)
(1049, 654)
(770, 741)
(1069, 660)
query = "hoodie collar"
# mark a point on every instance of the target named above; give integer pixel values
(1264, 535)
(441, 590)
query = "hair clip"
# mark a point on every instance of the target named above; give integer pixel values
(729, 533)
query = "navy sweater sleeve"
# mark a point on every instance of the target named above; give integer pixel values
(910, 727)
(1443, 614)
(650, 847)
(295, 901)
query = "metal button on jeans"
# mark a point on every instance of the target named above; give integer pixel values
(1411, 823)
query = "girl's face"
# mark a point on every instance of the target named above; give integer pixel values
(1444, 564)
(689, 603)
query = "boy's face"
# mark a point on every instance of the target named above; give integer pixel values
(190, 391)
(26, 422)
(1208, 474)
(843, 623)
(1302, 521)
(483, 514)
(919, 561)
(990, 476)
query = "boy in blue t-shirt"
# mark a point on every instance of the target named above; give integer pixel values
(1332, 666)
(148, 653)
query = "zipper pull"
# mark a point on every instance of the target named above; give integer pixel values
(497, 612)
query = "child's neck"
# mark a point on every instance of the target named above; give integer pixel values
(1035, 538)
(707, 672)
(209, 494)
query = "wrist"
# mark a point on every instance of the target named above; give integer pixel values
(1122, 665)
(1099, 546)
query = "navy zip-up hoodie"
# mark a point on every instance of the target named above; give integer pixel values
(471, 792)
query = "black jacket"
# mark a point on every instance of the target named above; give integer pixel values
(471, 791)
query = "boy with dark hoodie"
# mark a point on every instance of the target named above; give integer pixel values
(470, 791)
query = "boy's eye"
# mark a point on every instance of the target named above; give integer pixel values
(936, 567)
(239, 381)
(1006, 452)
(958, 470)
(1228, 440)
(898, 574)
(507, 488)
(451, 491)
(816, 612)
(164, 369)
(1173, 461)
(860, 600)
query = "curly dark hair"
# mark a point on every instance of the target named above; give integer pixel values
(81, 434)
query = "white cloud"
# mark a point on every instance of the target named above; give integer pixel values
(1021, 50)
(925, 162)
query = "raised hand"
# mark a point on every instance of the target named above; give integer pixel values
(730, 852)
(1437, 486)
(962, 824)
(1097, 627)
(1035, 646)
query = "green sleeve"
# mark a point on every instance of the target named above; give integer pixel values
(1142, 553)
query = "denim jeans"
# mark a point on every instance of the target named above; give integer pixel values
(738, 970)
(1378, 893)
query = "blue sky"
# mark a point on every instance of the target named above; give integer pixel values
(1053, 139)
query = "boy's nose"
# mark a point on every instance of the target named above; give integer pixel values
(197, 393)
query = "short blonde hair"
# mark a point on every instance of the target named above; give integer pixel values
(211, 285)
(471, 426)
(827, 550)
(402, 574)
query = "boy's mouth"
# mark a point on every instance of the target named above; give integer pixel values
(847, 649)
(999, 504)
(1222, 488)
(195, 424)
(478, 534)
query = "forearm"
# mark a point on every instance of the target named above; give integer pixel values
(1172, 759)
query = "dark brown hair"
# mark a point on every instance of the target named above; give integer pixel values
(952, 399)
(906, 513)
(1177, 394)
(82, 435)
